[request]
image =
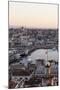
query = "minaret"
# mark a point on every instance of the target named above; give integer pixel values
(46, 54)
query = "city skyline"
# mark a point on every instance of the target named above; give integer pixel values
(33, 15)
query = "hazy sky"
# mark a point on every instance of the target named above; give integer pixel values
(33, 15)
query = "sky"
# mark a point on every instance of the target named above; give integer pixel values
(33, 15)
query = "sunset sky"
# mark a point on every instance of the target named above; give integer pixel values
(33, 15)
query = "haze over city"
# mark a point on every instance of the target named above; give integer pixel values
(33, 15)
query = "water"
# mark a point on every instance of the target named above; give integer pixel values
(45, 54)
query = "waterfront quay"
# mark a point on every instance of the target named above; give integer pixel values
(29, 39)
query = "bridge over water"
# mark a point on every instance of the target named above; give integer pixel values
(33, 48)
